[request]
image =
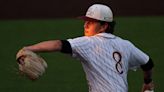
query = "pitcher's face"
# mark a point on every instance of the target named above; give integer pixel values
(92, 28)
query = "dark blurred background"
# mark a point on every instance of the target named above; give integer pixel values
(27, 9)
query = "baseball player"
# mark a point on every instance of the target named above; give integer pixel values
(106, 58)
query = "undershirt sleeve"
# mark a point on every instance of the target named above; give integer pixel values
(66, 47)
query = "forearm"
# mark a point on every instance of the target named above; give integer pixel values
(148, 82)
(147, 76)
(147, 70)
(46, 46)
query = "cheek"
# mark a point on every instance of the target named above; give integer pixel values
(89, 31)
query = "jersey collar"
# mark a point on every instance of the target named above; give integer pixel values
(106, 35)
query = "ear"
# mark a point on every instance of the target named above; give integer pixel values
(104, 27)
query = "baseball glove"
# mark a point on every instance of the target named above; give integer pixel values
(30, 64)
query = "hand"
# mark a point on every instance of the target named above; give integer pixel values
(20, 56)
(20, 60)
(149, 86)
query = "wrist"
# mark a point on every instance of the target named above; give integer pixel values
(147, 81)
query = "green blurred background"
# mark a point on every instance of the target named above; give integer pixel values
(65, 74)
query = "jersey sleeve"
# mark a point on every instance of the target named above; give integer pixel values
(80, 46)
(137, 57)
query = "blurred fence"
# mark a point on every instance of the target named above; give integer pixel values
(18, 9)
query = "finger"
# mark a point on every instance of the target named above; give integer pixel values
(20, 60)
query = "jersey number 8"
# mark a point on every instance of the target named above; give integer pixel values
(117, 57)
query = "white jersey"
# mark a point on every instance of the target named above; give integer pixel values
(106, 60)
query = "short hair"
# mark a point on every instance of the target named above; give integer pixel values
(111, 26)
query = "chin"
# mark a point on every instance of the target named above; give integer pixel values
(88, 35)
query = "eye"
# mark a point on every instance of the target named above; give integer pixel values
(89, 22)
